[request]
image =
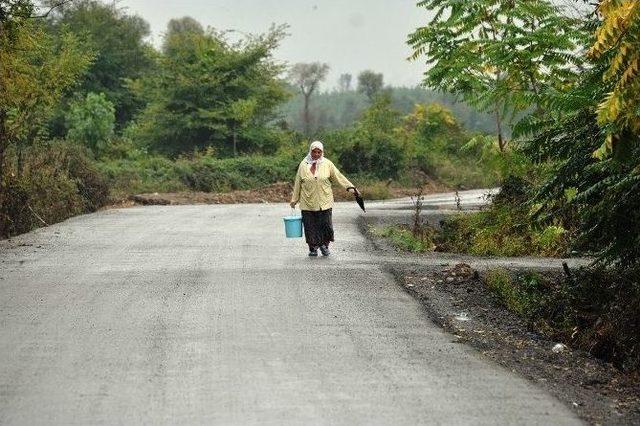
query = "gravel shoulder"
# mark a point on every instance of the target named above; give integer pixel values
(451, 289)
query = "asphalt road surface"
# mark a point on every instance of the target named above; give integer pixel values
(208, 315)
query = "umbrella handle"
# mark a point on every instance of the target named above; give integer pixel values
(355, 190)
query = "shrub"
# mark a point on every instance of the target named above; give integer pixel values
(91, 122)
(58, 181)
(198, 172)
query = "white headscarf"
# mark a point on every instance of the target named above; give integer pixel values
(314, 145)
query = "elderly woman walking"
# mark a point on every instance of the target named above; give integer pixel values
(312, 188)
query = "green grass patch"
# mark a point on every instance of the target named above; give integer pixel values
(522, 295)
(403, 238)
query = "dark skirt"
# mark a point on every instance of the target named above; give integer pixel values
(318, 227)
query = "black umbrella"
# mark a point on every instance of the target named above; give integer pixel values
(359, 199)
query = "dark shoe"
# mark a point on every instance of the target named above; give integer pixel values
(313, 252)
(325, 250)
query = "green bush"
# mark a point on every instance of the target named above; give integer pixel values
(91, 122)
(199, 172)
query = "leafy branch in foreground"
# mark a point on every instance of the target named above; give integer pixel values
(500, 56)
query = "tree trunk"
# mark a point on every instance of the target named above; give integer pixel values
(306, 118)
(3, 140)
(235, 140)
(501, 141)
(20, 158)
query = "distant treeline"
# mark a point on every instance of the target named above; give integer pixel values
(342, 108)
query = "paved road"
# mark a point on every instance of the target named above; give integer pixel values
(207, 315)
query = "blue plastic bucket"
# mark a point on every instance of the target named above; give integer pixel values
(293, 226)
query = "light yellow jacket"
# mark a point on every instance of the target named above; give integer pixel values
(314, 192)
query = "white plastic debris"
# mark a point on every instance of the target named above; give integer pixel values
(559, 347)
(462, 316)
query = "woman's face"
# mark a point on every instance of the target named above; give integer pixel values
(316, 153)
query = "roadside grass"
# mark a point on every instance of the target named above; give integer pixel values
(506, 227)
(403, 238)
(502, 231)
(494, 232)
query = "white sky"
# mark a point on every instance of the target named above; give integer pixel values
(349, 35)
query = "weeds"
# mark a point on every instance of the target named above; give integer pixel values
(593, 309)
(403, 238)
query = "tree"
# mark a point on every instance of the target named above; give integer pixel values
(121, 50)
(373, 145)
(91, 122)
(500, 56)
(617, 36)
(344, 82)
(211, 93)
(35, 71)
(307, 77)
(591, 136)
(177, 29)
(370, 83)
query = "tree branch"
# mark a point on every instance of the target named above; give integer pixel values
(54, 6)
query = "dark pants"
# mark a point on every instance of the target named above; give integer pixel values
(318, 227)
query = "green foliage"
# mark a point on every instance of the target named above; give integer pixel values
(500, 56)
(59, 180)
(35, 71)
(210, 93)
(604, 194)
(339, 109)
(617, 38)
(441, 148)
(372, 146)
(502, 231)
(118, 40)
(13, 14)
(199, 172)
(376, 190)
(370, 84)
(522, 296)
(596, 310)
(91, 122)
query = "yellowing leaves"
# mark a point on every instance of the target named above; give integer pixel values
(618, 34)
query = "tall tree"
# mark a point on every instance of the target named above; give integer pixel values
(344, 82)
(211, 93)
(370, 84)
(35, 71)
(119, 41)
(499, 56)
(307, 77)
(177, 31)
